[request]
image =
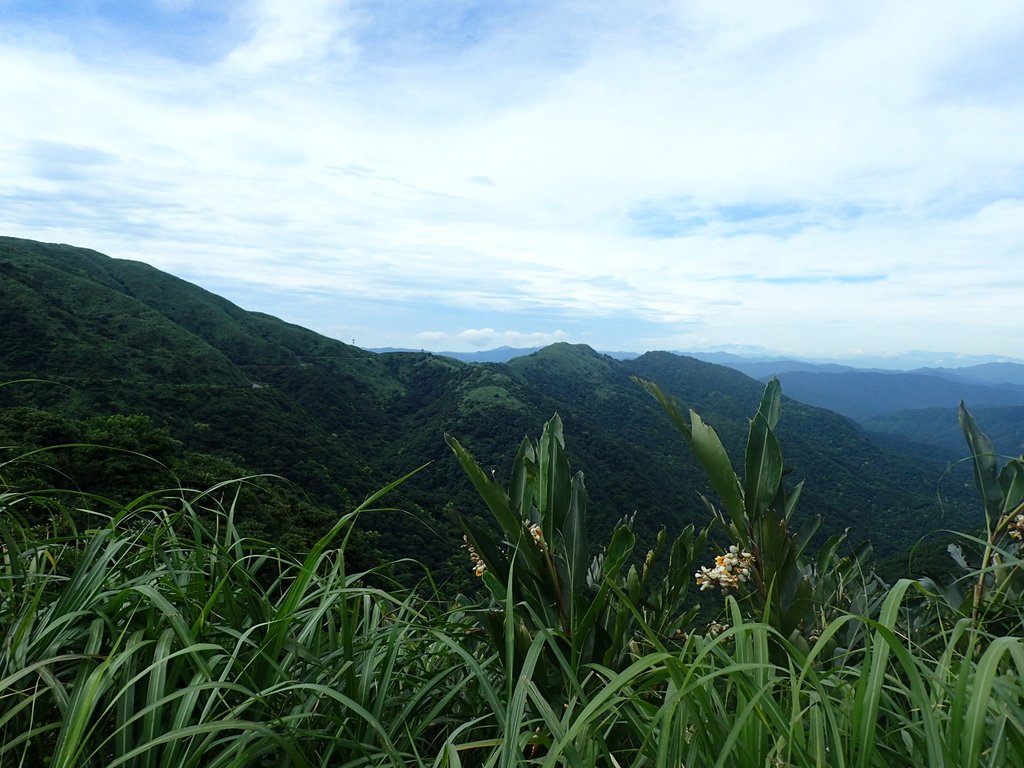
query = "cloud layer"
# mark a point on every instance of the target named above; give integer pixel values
(812, 179)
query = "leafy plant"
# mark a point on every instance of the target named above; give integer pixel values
(544, 578)
(791, 591)
(999, 580)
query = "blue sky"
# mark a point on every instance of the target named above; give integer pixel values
(816, 179)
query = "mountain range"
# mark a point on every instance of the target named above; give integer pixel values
(121, 338)
(918, 405)
(985, 369)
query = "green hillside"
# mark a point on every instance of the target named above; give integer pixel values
(120, 337)
(938, 427)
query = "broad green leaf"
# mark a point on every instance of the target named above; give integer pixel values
(712, 457)
(492, 493)
(1011, 481)
(983, 458)
(554, 478)
(681, 559)
(771, 403)
(981, 695)
(574, 536)
(791, 500)
(619, 550)
(763, 467)
(714, 460)
(670, 406)
(806, 533)
(522, 484)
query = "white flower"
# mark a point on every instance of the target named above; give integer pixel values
(731, 570)
(479, 566)
(1016, 528)
(537, 533)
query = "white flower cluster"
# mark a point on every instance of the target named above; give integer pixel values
(479, 566)
(731, 570)
(715, 628)
(1016, 529)
(535, 532)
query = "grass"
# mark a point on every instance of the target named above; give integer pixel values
(159, 636)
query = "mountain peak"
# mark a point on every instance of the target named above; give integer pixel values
(563, 348)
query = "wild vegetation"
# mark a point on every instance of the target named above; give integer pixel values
(153, 631)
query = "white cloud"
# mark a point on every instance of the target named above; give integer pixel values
(789, 171)
(483, 338)
(286, 32)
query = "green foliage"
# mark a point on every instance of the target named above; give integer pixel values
(793, 592)
(162, 637)
(544, 581)
(154, 632)
(158, 639)
(937, 428)
(999, 581)
(116, 457)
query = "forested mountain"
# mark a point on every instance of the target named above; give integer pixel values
(917, 409)
(141, 359)
(496, 355)
(499, 354)
(985, 373)
(863, 395)
(761, 369)
(938, 427)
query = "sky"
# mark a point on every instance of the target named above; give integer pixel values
(817, 179)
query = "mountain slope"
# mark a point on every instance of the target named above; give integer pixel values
(71, 314)
(939, 427)
(984, 373)
(863, 395)
(123, 337)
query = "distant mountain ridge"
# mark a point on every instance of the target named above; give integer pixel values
(123, 337)
(1004, 425)
(496, 355)
(903, 362)
(866, 394)
(1001, 372)
(992, 373)
(918, 406)
(985, 373)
